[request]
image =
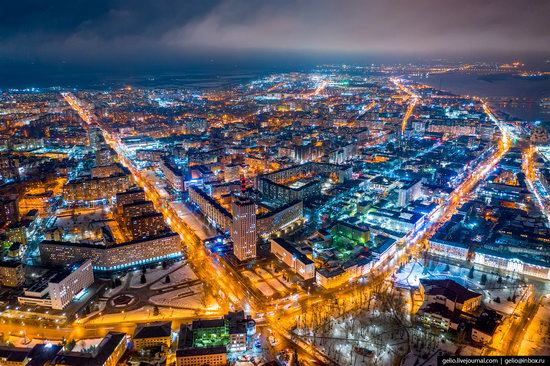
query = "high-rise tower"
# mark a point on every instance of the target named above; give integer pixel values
(243, 229)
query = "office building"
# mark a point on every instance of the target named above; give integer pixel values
(408, 192)
(59, 289)
(279, 218)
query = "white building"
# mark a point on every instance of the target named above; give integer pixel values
(173, 174)
(58, 290)
(512, 263)
(292, 257)
(449, 249)
(64, 287)
(409, 192)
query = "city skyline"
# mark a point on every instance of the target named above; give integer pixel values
(293, 183)
(167, 33)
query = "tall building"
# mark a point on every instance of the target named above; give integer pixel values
(61, 288)
(243, 228)
(104, 156)
(9, 210)
(95, 137)
(147, 225)
(409, 191)
(12, 274)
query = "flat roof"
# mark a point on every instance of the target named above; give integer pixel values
(293, 250)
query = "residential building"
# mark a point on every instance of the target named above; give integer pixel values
(12, 273)
(243, 228)
(113, 257)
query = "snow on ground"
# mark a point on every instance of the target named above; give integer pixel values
(266, 284)
(470, 351)
(83, 344)
(273, 282)
(265, 289)
(263, 273)
(537, 336)
(181, 275)
(415, 359)
(114, 291)
(251, 276)
(24, 342)
(505, 306)
(410, 275)
(152, 275)
(189, 297)
(285, 282)
(178, 299)
(144, 314)
(194, 221)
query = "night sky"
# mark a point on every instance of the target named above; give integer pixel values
(126, 32)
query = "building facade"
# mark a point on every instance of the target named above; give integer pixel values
(243, 228)
(113, 257)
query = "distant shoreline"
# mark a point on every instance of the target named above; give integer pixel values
(497, 86)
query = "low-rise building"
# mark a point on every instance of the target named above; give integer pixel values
(107, 353)
(449, 249)
(512, 263)
(152, 335)
(298, 262)
(439, 316)
(212, 356)
(485, 326)
(450, 294)
(206, 342)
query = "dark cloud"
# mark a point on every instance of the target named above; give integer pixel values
(131, 29)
